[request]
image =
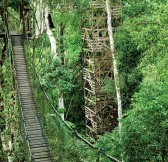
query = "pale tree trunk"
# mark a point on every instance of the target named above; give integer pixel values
(10, 158)
(39, 22)
(54, 53)
(7, 146)
(42, 23)
(61, 97)
(50, 35)
(1, 147)
(116, 76)
(61, 105)
(42, 9)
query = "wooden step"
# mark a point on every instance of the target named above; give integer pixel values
(33, 127)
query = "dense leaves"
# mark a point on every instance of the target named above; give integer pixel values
(143, 53)
(141, 45)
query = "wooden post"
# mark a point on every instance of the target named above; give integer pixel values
(100, 111)
(22, 19)
(5, 5)
(5, 17)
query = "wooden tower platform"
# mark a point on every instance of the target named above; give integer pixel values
(100, 112)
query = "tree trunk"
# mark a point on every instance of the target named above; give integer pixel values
(1, 158)
(42, 23)
(116, 76)
(7, 146)
(2, 59)
(50, 34)
(39, 22)
(61, 105)
(40, 10)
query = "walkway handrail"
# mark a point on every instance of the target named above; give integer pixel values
(74, 132)
(9, 46)
(100, 150)
(8, 38)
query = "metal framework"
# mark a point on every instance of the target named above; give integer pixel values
(100, 112)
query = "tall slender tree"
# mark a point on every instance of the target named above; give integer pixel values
(43, 24)
(115, 70)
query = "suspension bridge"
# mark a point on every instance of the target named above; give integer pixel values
(38, 145)
(35, 135)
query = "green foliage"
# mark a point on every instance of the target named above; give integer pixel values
(64, 73)
(70, 39)
(147, 124)
(61, 110)
(144, 133)
(139, 33)
(13, 19)
(70, 21)
(70, 124)
(14, 4)
(10, 115)
(142, 45)
(65, 146)
(60, 76)
(109, 87)
(18, 148)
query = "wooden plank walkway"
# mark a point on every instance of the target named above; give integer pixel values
(37, 141)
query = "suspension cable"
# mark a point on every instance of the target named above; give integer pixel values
(100, 150)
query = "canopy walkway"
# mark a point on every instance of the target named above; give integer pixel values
(35, 105)
(36, 138)
(33, 128)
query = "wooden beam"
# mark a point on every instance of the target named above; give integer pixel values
(5, 5)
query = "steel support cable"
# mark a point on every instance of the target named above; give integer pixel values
(17, 84)
(74, 131)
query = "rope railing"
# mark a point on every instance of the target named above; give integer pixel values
(8, 40)
(49, 113)
(43, 100)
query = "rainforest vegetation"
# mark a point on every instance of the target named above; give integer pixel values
(141, 50)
